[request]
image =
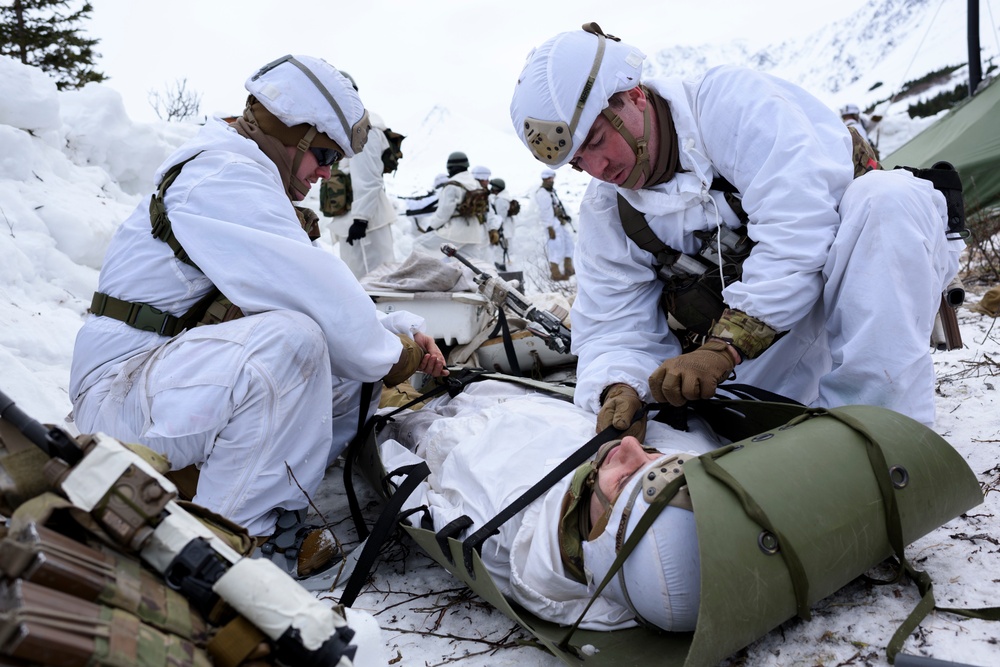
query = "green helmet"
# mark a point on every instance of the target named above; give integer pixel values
(457, 161)
(497, 184)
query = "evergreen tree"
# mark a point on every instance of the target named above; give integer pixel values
(46, 34)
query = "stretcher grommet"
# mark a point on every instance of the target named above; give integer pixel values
(761, 437)
(899, 476)
(768, 542)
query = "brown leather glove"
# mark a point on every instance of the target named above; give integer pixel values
(494, 237)
(693, 375)
(409, 361)
(552, 233)
(619, 406)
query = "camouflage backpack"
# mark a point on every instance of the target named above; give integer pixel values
(335, 194)
(474, 203)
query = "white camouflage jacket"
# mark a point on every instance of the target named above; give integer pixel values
(229, 211)
(791, 159)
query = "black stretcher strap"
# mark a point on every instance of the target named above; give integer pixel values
(383, 528)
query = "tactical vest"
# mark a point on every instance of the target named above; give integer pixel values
(692, 283)
(212, 308)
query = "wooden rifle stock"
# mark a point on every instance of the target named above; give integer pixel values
(950, 337)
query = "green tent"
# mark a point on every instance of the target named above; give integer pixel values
(968, 137)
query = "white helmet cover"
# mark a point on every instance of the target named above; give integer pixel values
(303, 89)
(481, 173)
(545, 108)
(660, 580)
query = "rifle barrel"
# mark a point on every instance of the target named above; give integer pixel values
(52, 441)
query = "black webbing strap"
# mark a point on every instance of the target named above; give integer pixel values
(383, 528)
(350, 454)
(474, 542)
(737, 420)
(637, 228)
(452, 384)
(451, 529)
(508, 344)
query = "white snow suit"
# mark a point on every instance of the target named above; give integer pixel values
(852, 269)
(560, 248)
(370, 203)
(248, 400)
(468, 235)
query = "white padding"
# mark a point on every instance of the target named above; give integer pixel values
(174, 533)
(93, 476)
(271, 600)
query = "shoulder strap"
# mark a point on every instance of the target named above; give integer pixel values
(158, 213)
(637, 228)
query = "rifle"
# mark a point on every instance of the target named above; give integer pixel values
(946, 335)
(136, 507)
(548, 327)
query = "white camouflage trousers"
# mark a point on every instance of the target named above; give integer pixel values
(251, 402)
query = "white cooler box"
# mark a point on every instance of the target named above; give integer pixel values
(454, 317)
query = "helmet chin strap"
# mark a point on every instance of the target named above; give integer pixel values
(639, 146)
(294, 182)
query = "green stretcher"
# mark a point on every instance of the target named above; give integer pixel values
(784, 518)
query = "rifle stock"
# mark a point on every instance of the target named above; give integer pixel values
(951, 334)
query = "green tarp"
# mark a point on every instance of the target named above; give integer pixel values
(969, 138)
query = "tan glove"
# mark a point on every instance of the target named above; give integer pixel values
(494, 237)
(619, 406)
(409, 362)
(552, 233)
(693, 375)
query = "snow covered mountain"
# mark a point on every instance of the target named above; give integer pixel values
(863, 59)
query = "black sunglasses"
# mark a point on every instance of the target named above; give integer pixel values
(326, 156)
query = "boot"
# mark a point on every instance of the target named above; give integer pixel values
(568, 264)
(554, 270)
(301, 549)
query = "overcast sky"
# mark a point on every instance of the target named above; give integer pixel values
(406, 55)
